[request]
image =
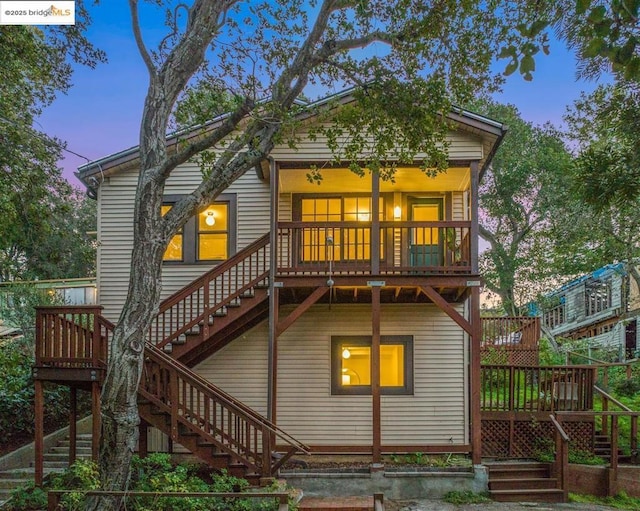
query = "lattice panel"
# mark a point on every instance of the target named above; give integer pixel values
(581, 434)
(495, 439)
(510, 356)
(529, 437)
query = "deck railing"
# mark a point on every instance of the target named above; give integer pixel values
(79, 336)
(511, 340)
(70, 337)
(348, 248)
(506, 388)
(208, 412)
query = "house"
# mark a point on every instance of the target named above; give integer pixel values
(601, 308)
(344, 315)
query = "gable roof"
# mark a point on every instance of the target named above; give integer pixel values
(489, 130)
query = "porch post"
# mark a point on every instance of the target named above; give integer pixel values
(475, 230)
(375, 223)
(96, 425)
(273, 293)
(375, 372)
(475, 341)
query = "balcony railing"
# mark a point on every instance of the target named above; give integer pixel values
(351, 248)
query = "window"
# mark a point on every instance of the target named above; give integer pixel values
(597, 297)
(349, 244)
(210, 236)
(351, 365)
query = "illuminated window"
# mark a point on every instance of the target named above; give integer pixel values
(213, 233)
(174, 249)
(348, 243)
(351, 365)
(210, 236)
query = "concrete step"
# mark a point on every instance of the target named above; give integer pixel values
(543, 495)
(336, 504)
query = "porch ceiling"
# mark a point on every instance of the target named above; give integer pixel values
(407, 179)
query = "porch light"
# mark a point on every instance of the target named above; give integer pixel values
(346, 353)
(210, 219)
(363, 217)
(397, 213)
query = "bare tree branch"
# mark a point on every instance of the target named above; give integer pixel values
(144, 53)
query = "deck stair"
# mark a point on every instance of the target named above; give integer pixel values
(602, 449)
(523, 481)
(216, 308)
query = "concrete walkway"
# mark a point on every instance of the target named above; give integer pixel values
(436, 505)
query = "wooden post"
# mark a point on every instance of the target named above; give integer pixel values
(375, 372)
(73, 395)
(273, 294)
(375, 223)
(612, 488)
(475, 341)
(39, 432)
(143, 439)
(475, 229)
(97, 420)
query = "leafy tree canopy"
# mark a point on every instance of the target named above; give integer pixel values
(518, 196)
(40, 211)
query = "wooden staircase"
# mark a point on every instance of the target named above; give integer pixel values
(517, 481)
(216, 308)
(191, 325)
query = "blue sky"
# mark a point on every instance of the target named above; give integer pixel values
(101, 113)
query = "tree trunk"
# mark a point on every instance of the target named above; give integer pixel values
(119, 412)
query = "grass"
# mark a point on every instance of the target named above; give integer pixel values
(620, 501)
(465, 497)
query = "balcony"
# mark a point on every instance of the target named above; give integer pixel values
(399, 248)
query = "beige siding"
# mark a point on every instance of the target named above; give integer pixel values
(435, 414)
(462, 146)
(116, 199)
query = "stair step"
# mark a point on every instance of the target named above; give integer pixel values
(548, 495)
(518, 473)
(63, 456)
(534, 483)
(336, 504)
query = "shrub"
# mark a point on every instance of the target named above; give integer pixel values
(465, 497)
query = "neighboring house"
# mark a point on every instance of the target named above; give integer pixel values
(80, 291)
(602, 308)
(358, 267)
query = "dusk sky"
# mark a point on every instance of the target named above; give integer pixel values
(101, 113)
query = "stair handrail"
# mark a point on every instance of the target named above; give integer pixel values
(609, 397)
(561, 461)
(203, 282)
(215, 271)
(152, 350)
(185, 371)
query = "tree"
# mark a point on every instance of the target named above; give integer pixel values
(600, 222)
(605, 36)
(35, 201)
(409, 58)
(517, 197)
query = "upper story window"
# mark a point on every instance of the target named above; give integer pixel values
(351, 243)
(555, 315)
(597, 297)
(210, 236)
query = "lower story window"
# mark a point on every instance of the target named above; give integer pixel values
(351, 365)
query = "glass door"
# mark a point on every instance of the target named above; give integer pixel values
(425, 243)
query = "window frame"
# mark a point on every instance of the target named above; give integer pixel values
(190, 232)
(337, 389)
